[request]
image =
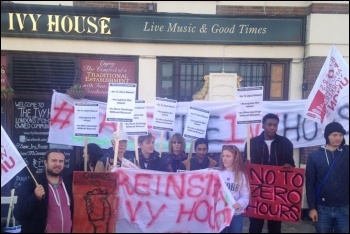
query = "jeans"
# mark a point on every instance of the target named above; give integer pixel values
(332, 219)
(236, 225)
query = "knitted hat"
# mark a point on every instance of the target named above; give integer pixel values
(334, 127)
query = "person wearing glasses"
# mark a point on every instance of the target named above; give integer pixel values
(201, 159)
(232, 172)
(176, 155)
(269, 148)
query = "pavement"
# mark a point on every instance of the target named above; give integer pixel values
(302, 226)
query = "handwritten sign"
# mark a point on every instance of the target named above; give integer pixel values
(86, 119)
(159, 202)
(139, 126)
(121, 102)
(249, 107)
(94, 195)
(164, 114)
(276, 192)
(196, 123)
(97, 74)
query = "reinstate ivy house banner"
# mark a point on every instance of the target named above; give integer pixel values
(101, 24)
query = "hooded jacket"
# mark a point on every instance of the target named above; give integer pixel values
(335, 190)
(32, 213)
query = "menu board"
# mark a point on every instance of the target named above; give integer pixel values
(30, 134)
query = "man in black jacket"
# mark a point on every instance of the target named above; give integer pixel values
(48, 205)
(269, 149)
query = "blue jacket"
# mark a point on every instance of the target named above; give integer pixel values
(335, 190)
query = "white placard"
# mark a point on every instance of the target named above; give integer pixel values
(86, 119)
(139, 126)
(164, 114)
(120, 102)
(196, 123)
(249, 107)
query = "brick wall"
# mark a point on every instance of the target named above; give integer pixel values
(321, 8)
(258, 10)
(121, 6)
(312, 67)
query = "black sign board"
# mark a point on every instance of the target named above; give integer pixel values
(30, 134)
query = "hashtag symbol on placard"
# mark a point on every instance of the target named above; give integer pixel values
(62, 115)
(104, 124)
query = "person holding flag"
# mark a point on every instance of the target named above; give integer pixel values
(46, 205)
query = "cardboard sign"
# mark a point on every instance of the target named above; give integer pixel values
(275, 192)
(94, 195)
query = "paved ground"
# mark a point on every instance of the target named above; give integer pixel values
(287, 227)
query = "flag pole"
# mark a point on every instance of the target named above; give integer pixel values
(189, 155)
(36, 182)
(137, 163)
(116, 145)
(85, 154)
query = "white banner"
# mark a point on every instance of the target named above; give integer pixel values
(160, 202)
(11, 161)
(331, 85)
(222, 127)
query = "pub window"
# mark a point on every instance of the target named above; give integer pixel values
(180, 78)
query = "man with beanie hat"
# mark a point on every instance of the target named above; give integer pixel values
(327, 182)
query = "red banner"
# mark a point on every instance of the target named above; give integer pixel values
(94, 196)
(276, 192)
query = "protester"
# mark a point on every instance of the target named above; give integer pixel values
(232, 171)
(269, 148)
(94, 153)
(201, 160)
(176, 155)
(47, 206)
(106, 162)
(149, 158)
(327, 182)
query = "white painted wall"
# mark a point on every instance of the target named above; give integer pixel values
(325, 30)
(147, 78)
